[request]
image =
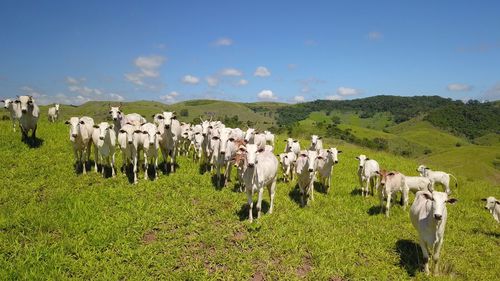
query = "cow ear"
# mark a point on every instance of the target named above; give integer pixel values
(320, 138)
(242, 149)
(452, 200)
(138, 131)
(285, 140)
(145, 132)
(158, 133)
(427, 195)
(391, 174)
(498, 202)
(67, 122)
(95, 126)
(367, 158)
(303, 155)
(357, 157)
(111, 126)
(295, 140)
(122, 131)
(319, 157)
(483, 199)
(339, 151)
(377, 172)
(2, 101)
(174, 117)
(161, 117)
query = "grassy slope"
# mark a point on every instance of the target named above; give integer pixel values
(56, 224)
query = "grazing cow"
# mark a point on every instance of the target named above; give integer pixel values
(170, 134)
(29, 116)
(253, 137)
(80, 135)
(316, 143)
(14, 110)
(128, 140)
(287, 161)
(149, 142)
(326, 159)
(428, 215)
(269, 137)
(418, 184)
(437, 177)
(292, 146)
(391, 183)
(305, 168)
(120, 119)
(53, 113)
(493, 205)
(260, 171)
(104, 140)
(367, 174)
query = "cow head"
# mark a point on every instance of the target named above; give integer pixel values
(168, 117)
(422, 169)
(333, 154)
(7, 103)
(490, 203)
(314, 140)
(25, 102)
(150, 133)
(129, 131)
(115, 113)
(362, 159)
(102, 129)
(439, 200)
(74, 127)
(56, 106)
(385, 176)
(250, 134)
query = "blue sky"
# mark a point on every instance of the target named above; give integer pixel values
(288, 51)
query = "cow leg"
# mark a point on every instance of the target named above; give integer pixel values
(135, 169)
(425, 254)
(302, 197)
(172, 159)
(113, 174)
(33, 133)
(272, 191)
(146, 166)
(405, 198)
(96, 158)
(250, 204)
(367, 187)
(388, 204)
(311, 189)
(259, 202)
(435, 255)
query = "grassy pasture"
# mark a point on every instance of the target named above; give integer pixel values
(56, 224)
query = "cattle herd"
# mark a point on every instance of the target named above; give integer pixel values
(251, 153)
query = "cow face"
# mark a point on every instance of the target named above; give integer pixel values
(250, 134)
(490, 203)
(25, 102)
(385, 176)
(7, 103)
(102, 129)
(56, 106)
(333, 153)
(224, 139)
(205, 127)
(312, 156)
(439, 200)
(129, 131)
(150, 133)
(362, 159)
(251, 152)
(168, 117)
(74, 127)
(115, 113)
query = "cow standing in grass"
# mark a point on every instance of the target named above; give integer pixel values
(292, 146)
(29, 116)
(170, 134)
(14, 109)
(53, 113)
(128, 140)
(287, 161)
(80, 135)
(442, 178)
(428, 215)
(392, 182)
(418, 184)
(368, 174)
(104, 140)
(150, 144)
(305, 168)
(261, 169)
(316, 143)
(493, 205)
(120, 119)
(327, 158)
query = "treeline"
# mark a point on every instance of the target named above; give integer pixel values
(472, 119)
(401, 108)
(377, 143)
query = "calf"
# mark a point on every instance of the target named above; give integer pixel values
(493, 205)
(128, 140)
(418, 184)
(287, 161)
(149, 142)
(327, 158)
(305, 168)
(104, 140)
(316, 143)
(260, 171)
(428, 215)
(437, 177)
(14, 109)
(391, 183)
(80, 135)
(367, 174)
(53, 113)
(29, 116)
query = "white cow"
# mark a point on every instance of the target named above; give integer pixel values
(104, 140)
(150, 143)
(437, 177)
(418, 184)
(128, 140)
(120, 119)
(428, 215)
(170, 134)
(53, 113)
(287, 161)
(392, 182)
(14, 109)
(225, 147)
(231, 151)
(237, 134)
(29, 116)
(327, 158)
(493, 205)
(253, 137)
(305, 169)
(292, 146)
(80, 135)
(260, 171)
(269, 137)
(367, 174)
(316, 143)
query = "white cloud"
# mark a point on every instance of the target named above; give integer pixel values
(75, 81)
(492, 93)
(170, 98)
(375, 35)
(231, 72)
(334, 97)
(266, 95)
(148, 68)
(345, 91)
(242, 82)
(262, 71)
(212, 81)
(189, 79)
(459, 87)
(223, 42)
(299, 99)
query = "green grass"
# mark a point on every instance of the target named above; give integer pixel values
(55, 224)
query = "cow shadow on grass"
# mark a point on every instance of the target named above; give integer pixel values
(356, 191)
(409, 255)
(33, 142)
(89, 166)
(243, 212)
(318, 187)
(166, 169)
(487, 233)
(294, 194)
(375, 210)
(218, 184)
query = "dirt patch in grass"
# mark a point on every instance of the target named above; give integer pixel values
(258, 276)
(306, 266)
(149, 237)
